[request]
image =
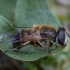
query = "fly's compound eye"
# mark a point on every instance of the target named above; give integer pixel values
(62, 37)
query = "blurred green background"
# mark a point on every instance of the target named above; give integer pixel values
(58, 61)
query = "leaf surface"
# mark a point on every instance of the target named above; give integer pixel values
(29, 13)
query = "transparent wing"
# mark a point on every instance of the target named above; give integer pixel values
(8, 37)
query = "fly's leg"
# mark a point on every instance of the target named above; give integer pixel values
(18, 47)
(40, 44)
(57, 45)
(49, 46)
(43, 46)
(24, 44)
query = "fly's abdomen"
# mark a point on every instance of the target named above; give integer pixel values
(16, 41)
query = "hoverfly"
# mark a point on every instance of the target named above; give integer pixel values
(41, 35)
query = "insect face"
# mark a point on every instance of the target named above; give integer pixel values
(62, 37)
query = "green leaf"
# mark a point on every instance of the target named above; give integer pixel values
(31, 12)
(5, 25)
(30, 66)
(7, 9)
(28, 13)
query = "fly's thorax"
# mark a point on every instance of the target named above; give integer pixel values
(36, 28)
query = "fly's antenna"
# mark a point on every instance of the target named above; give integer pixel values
(68, 33)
